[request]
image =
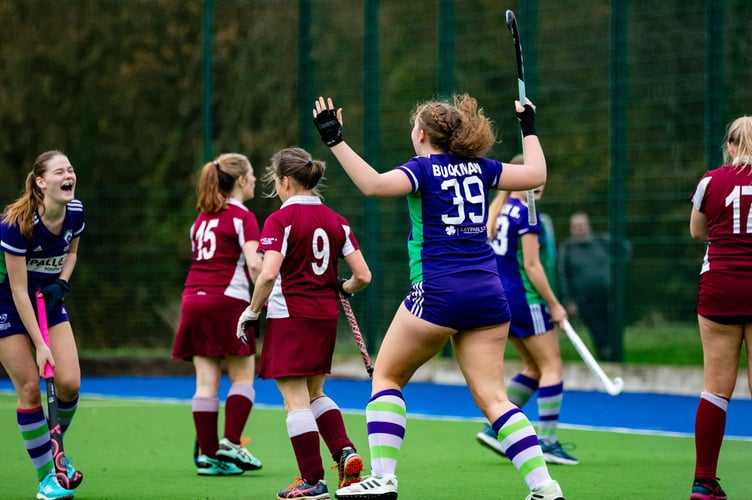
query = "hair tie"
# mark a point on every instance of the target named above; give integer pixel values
(310, 163)
(216, 164)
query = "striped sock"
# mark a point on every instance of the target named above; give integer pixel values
(549, 407)
(65, 412)
(36, 437)
(520, 444)
(386, 418)
(521, 388)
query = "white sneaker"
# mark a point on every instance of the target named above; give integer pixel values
(381, 487)
(551, 491)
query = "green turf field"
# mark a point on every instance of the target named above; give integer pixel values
(143, 450)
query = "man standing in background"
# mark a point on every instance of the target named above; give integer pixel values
(584, 282)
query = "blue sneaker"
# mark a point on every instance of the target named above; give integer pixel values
(50, 489)
(74, 475)
(300, 488)
(707, 490)
(487, 437)
(554, 453)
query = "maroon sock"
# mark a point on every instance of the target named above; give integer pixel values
(331, 426)
(306, 443)
(237, 408)
(710, 425)
(205, 417)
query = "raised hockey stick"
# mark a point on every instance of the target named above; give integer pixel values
(532, 218)
(356, 334)
(56, 433)
(614, 387)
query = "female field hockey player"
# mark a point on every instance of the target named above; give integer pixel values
(39, 235)
(456, 292)
(302, 243)
(224, 238)
(535, 309)
(721, 212)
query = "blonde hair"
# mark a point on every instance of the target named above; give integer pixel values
(494, 209)
(217, 181)
(739, 133)
(461, 128)
(22, 210)
(297, 164)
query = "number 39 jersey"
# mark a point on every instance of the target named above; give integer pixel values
(448, 210)
(218, 265)
(311, 238)
(724, 195)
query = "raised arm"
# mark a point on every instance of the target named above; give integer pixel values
(532, 173)
(369, 181)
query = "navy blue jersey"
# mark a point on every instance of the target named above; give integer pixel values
(512, 224)
(45, 252)
(448, 211)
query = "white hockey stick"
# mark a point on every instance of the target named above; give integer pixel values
(614, 387)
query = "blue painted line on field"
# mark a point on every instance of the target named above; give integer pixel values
(628, 411)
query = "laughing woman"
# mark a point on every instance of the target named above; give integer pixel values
(39, 235)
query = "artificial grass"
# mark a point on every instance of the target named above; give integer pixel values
(143, 450)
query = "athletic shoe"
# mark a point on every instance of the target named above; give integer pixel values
(50, 489)
(300, 488)
(551, 491)
(487, 437)
(237, 454)
(72, 472)
(349, 467)
(554, 453)
(381, 487)
(707, 490)
(207, 466)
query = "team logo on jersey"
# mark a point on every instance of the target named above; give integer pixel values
(68, 237)
(4, 325)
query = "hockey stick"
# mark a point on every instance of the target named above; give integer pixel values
(356, 333)
(613, 388)
(53, 420)
(532, 218)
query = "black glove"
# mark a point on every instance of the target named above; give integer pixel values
(527, 121)
(329, 127)
(342, 289)
(54, 293)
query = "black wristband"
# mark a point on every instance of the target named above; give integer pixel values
(342, 289)
(527, 121)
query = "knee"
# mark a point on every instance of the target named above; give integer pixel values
(67, 388)
(29, 395)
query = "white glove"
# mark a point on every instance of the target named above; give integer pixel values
(246, 320)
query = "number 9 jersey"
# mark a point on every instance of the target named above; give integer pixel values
(311, 238)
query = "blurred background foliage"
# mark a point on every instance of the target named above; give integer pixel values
(119, 86)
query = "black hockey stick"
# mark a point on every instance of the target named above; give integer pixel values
(53, 420)
(532, 219)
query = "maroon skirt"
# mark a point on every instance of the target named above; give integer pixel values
(208, 325)
(297, 347)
